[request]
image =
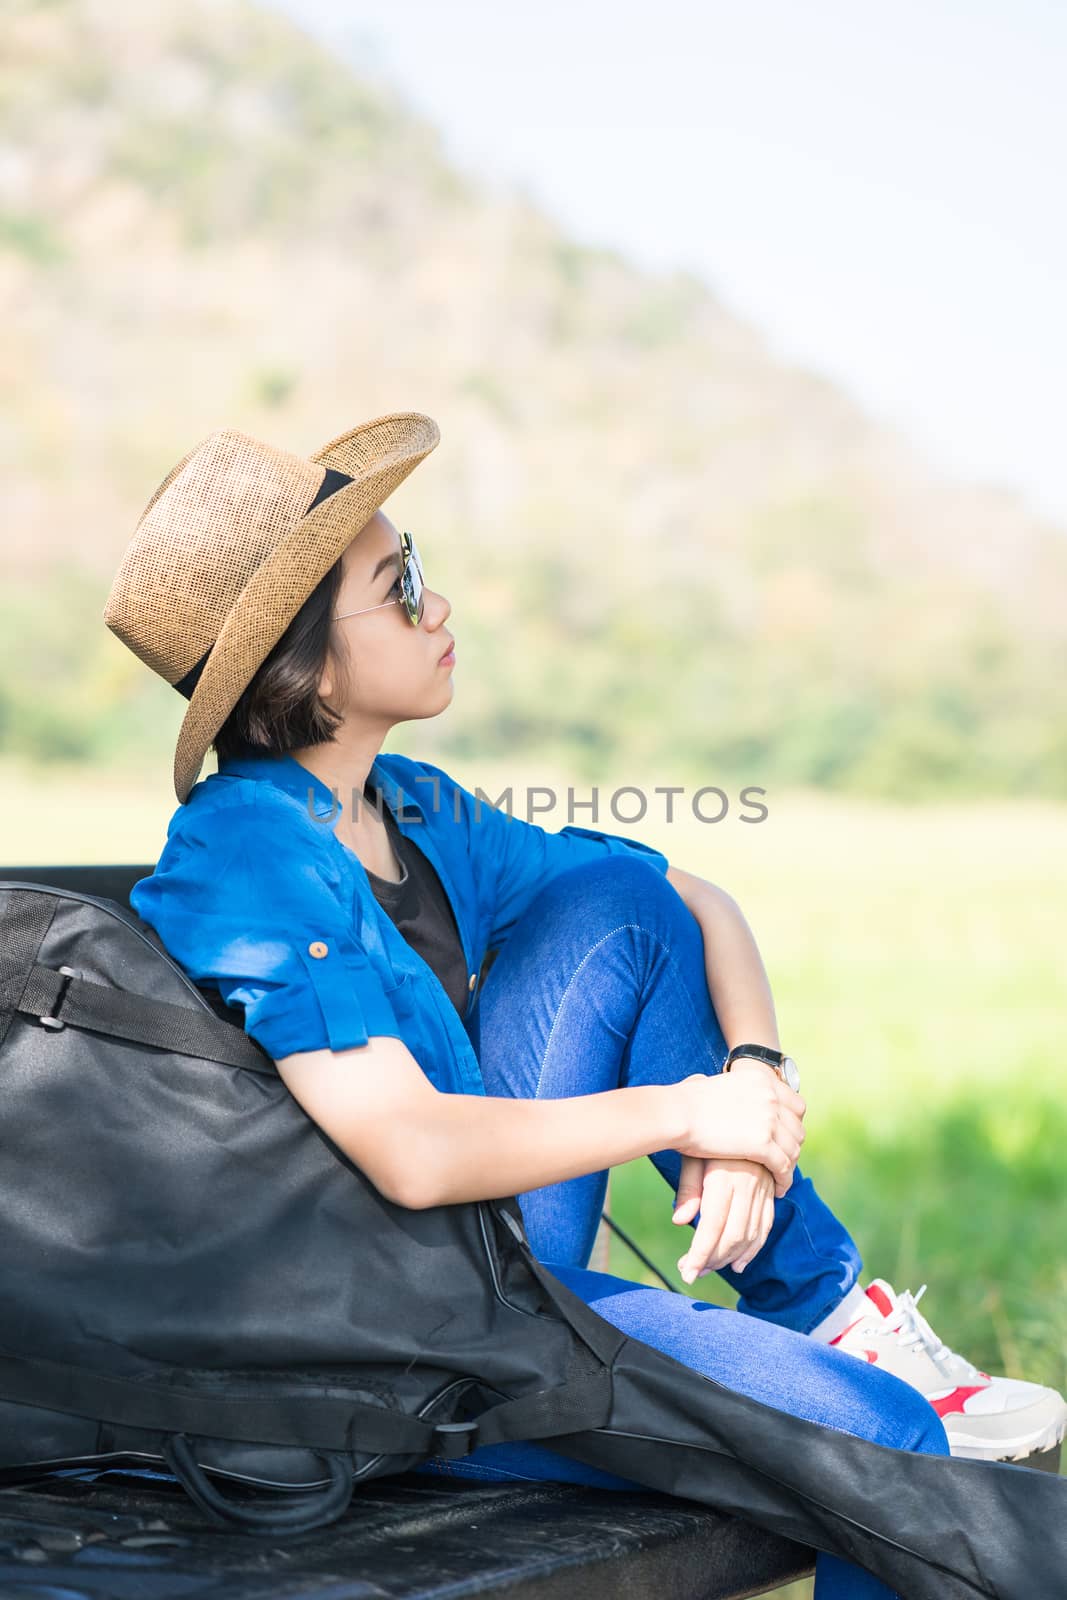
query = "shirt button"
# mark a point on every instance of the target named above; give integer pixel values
(318, 949)
(473, 980)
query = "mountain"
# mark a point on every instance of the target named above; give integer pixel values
(665, 549)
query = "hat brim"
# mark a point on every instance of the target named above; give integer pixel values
(378, 455)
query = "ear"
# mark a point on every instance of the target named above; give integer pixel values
(331, 676)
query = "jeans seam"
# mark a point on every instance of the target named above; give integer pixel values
(591, 951)
(687, 997)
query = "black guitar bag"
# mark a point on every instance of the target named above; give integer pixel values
(193, 1275)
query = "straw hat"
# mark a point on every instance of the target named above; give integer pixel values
(230, 546)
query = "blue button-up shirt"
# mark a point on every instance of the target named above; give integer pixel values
(255, 894)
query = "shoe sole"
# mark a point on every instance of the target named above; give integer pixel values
(1048, 1441)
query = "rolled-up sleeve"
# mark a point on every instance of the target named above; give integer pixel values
(512, 859)
(245, 897)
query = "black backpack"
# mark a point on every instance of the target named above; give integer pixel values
(193, 1274)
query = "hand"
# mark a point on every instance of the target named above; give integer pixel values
(747, 1113)
(735, 1199)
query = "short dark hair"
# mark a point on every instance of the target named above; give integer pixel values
(280, 709)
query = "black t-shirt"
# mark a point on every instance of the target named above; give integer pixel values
(422, 912)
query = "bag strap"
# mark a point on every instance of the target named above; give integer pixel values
(24, 921)
(303, 1417)
(572, 1407)
(61, 998)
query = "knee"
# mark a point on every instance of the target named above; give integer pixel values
(614, 893)
(903, 1418)
(928, 1431)
(619, 884)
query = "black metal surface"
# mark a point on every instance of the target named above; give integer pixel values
(124, 1537)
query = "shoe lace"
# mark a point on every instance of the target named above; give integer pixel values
(914, 1329)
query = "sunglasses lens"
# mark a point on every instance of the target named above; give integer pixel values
(416, 599)
(412, 584)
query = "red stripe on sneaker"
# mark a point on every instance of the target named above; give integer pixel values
(954, 1401)
(841, 1335)
(880, 1298)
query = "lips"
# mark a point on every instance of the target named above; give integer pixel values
(448, 652)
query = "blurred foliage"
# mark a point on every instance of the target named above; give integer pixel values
(65, 694)
(585, 684)
(32, 237)
(666, 550)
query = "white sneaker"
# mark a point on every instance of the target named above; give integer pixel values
(986, 1418)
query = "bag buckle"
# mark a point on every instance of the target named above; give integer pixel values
(54, 1022)
(459, 1440)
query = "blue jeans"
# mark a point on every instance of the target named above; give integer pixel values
(603, 984)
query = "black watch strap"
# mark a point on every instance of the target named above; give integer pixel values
(762, 1052)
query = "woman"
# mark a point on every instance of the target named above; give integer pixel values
(344, 901)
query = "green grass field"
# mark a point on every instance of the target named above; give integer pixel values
(918, 958)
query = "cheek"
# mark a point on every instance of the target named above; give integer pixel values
(386, 677)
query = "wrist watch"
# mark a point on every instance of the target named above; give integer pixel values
(784, 1065)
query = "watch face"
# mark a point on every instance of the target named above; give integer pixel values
(791, 1073)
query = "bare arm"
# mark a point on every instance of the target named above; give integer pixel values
(732, 1228)
(423, 1148)
(737, 979)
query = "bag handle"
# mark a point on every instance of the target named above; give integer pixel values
(301, 1514)
(59, 999)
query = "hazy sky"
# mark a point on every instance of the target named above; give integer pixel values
(877, 187)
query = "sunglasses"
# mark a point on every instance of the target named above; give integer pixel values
(410, 584)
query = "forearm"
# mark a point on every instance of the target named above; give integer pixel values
(474, 1147)
(737, 979)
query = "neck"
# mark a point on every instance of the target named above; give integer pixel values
(344, 767)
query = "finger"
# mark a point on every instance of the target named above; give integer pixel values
(789, 1097)
(714, 1210)
(778, 1162)
(789, 1146)
(788, 1135)
(733, 1235)
(792, 1124)
(764, 1222)
(768, 1219)
(762, 1196)
(736, 1236)
(690, 1183)
(733, 1240)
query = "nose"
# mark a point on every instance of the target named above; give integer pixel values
(437, 609)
